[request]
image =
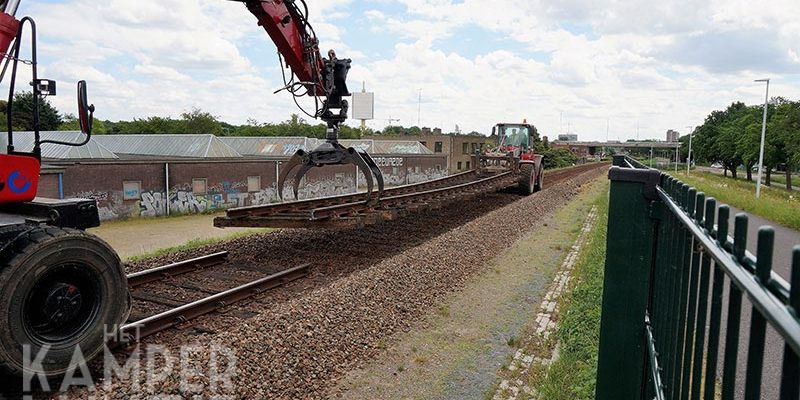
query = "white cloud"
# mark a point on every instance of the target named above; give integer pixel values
(662, 65)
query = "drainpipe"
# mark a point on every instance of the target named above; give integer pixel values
(166, 184)
(61, 186)
(277, 177)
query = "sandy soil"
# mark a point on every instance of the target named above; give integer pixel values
(140, 236)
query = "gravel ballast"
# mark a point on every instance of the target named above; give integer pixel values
(298, 346)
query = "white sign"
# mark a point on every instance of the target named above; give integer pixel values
(363, 105)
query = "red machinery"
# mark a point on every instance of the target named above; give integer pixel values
(514, 152)
(286, 22)
(59, 287)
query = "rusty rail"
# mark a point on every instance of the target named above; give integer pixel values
(138, 330)
(347, 210)
(178, 268)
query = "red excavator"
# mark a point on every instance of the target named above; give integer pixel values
(59, 286)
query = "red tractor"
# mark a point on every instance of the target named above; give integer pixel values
(60, 287)
(514, 153)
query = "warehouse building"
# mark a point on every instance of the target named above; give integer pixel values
(156, 175)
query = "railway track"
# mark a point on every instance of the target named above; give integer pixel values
(352, 210)
(184, 296)
(141, 327)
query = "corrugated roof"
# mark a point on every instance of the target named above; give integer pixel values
(188, 146)
(265, 146)
(23, 141)
(400, 147)
(286, 146)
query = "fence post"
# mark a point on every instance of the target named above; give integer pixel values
(630, 245)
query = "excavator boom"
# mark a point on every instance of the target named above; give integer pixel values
(286, 22)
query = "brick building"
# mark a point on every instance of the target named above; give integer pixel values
(155, 175)
(458, 148)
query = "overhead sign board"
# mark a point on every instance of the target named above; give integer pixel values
(363, 105)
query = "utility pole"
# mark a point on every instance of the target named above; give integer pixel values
(689, 158)
(419, 109)
(763, 137)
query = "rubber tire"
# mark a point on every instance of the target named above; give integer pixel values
(539, 182)
(526, 179)
(33, 255)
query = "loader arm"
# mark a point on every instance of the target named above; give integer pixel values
(325, 79)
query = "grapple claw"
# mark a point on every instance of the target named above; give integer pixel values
(299, 158)
(354, 157)
(299, 177)
(373, 166)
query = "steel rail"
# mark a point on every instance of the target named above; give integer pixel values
(135, 331)
(175, 269)
(389, 201)
(271, 209)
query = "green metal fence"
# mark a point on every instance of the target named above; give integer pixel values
(669, 258)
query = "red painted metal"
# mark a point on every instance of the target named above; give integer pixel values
(8, 31)
(287, 32)
(19, 178)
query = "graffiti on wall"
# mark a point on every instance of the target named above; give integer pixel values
(223, 195)
(153, 204)
(109, 205)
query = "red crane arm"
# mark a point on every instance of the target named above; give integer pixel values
(294, 38)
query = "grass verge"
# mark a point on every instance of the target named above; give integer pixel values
(194, 244)
(776, 204)
(572, 376)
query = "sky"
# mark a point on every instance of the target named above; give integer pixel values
(597, 68)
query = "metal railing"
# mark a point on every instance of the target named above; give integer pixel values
(669, 259)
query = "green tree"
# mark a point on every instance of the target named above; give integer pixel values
(198, 121)
(22, 113)
(71, 123)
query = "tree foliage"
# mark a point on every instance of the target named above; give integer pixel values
(22, 113)
(732, 137)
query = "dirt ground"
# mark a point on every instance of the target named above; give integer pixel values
(146, 235)
(459, 350)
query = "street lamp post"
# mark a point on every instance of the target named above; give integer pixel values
(689, 158)
(763, 136)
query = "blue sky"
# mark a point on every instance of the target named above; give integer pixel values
(563, 65)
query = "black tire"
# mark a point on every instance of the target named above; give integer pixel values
(539, 182)
(527, 179)
(60, 288)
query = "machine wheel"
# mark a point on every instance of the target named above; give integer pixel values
(527, 179)
(539, 182)
(60, 288)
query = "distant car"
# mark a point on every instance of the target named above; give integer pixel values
(716, 165)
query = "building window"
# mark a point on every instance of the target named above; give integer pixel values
(253, 184)
(199, 186)
(465, 148)
(459, 165)
(437, 147)
(467, 165)
(131, 190)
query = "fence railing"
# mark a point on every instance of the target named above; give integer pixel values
(669, 259)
